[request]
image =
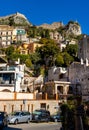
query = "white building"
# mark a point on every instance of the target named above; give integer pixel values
(11, 77)
(19, 34)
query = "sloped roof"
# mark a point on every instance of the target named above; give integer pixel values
(2, 60)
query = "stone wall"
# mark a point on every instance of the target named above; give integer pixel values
(79, 73)
(30, 105)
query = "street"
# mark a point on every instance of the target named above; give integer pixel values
(35, 126)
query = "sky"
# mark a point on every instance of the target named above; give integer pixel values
(49, 11)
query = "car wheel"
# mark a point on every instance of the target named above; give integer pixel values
(6, 125)
(38, 121)
(47, 120)
(8, 122)
(55, 120)
(16, 122)
(28, 121)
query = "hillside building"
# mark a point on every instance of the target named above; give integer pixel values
(6, 33)
(12, 77)
(9, 35)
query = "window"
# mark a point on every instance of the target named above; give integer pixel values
(12, 108)
(4, 107)
(28, 107)
(43, 105)
(61, 76)
(21, 107)
(31, 107)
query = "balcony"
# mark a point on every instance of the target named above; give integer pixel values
(7, 69)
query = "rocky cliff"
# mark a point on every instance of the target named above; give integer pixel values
(52, 26)
(73, 28)
(15, 19)
(70, 28)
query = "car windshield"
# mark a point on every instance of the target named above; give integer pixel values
(37, 112)
(15, 113)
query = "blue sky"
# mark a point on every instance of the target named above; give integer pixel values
(49, 11)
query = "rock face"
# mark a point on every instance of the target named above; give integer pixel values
(52, 26)
(16, 18)
(73, 28)
(70, 28)
(20, 18)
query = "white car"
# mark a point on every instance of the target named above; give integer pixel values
(19, 117)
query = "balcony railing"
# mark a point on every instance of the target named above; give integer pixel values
(7, 69)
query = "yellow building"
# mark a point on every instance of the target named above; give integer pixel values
(26, 48)
(33, 46)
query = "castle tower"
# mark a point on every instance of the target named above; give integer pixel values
(83, 52)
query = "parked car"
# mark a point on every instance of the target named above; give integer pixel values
(56, 117)
(3, 119)
(41, 115)
(19, 117)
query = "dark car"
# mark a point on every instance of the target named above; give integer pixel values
(19, 117)
(56, 117)
(3, 119)
(41, 115)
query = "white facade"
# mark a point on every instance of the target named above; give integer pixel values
(11, 78)
(20, 35)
